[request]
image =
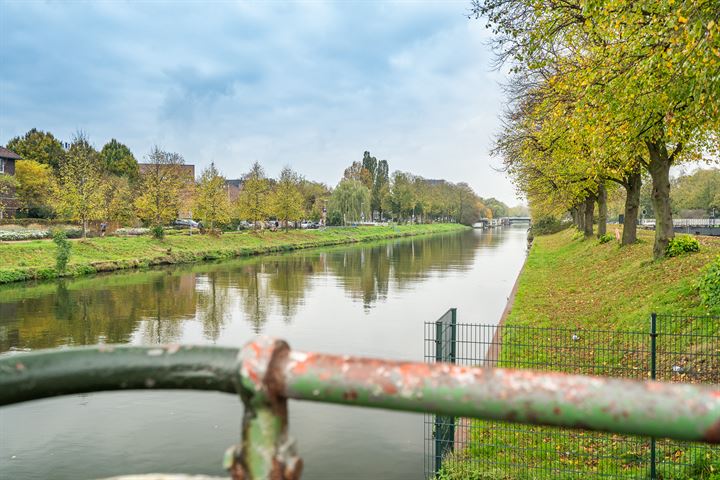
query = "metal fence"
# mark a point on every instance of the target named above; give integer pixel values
(672, 349)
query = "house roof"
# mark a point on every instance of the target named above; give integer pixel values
(5, 153)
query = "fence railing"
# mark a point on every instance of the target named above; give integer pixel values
(266, 373)
(672, 349)
(686, 222)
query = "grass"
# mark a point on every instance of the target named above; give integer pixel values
(570, 283)
(36, 259)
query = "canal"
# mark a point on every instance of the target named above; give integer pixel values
(364, 299)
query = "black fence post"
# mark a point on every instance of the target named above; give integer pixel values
(653, 374)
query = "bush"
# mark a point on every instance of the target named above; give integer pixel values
(606, 238)
(710, 284)
(158, 232)
(578, 235)
(682, 244)
(547, 225)
(62, 253)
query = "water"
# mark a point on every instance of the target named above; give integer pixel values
(370, 300)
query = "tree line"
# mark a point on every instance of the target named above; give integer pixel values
(76, 182)
(606, 96)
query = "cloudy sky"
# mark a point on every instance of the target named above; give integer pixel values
(309, 84)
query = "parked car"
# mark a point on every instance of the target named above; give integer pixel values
(186, 223)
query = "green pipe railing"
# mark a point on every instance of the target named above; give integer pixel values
(266, 373)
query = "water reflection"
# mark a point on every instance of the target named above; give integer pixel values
(370, 299)
(155, 306)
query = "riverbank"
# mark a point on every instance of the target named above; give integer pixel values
(36, 259)
(575, 303)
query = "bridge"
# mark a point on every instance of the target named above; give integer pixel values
(500, 222)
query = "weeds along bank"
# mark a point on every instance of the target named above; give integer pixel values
(38, 259)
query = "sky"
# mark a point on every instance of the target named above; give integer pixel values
(309, 84)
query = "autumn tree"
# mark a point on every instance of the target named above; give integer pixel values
(212, 205)
(34, 184)
(252, 203)
(286, 200)
(118, 197)
(39, 146)
(162, 182)
(640, 79)
(79, 191)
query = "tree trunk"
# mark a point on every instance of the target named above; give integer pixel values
(84, 228)
(659, 167)
(632, 208)
(589, 212)
(580, 214)
(602, 209)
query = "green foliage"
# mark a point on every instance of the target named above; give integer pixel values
(682, 244)
(578, 235)
(334, 218)
(252, 203)
(698, 191)
(607, 238)
(119, 160)
(158, 232)
(38, 146)
(79, 192)
(34, 185)
(547, 225)
(211, 201)
(62, 250)
(162, 185)
(710, 284)
(350, 201)
(286, 200)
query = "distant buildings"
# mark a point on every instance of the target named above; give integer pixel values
(8, 201)
(233, 187)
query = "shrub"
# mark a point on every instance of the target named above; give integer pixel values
(158, 232)
(682, 244)
(606, 238)
(62, 252)
(710, 284)
(578, 235)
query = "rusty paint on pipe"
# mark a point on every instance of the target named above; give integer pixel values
(679, 411)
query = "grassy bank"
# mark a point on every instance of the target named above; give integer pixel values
(600, 292)
(36, 259)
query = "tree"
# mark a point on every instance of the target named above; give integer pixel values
(117, 205)
(635, 78)
(402, 195)
(211, 199)
(286, 200)
(8, 183)
(350, 201)
(162, 184)
(381, 187)
(34, 185)
(358, 172)
(252, 203)
(39, 146)
(79, 191)
(698, 191)
(119, 160)
(315, 196)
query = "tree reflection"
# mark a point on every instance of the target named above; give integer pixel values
(154, 306)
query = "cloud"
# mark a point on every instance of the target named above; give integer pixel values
(310, 84)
